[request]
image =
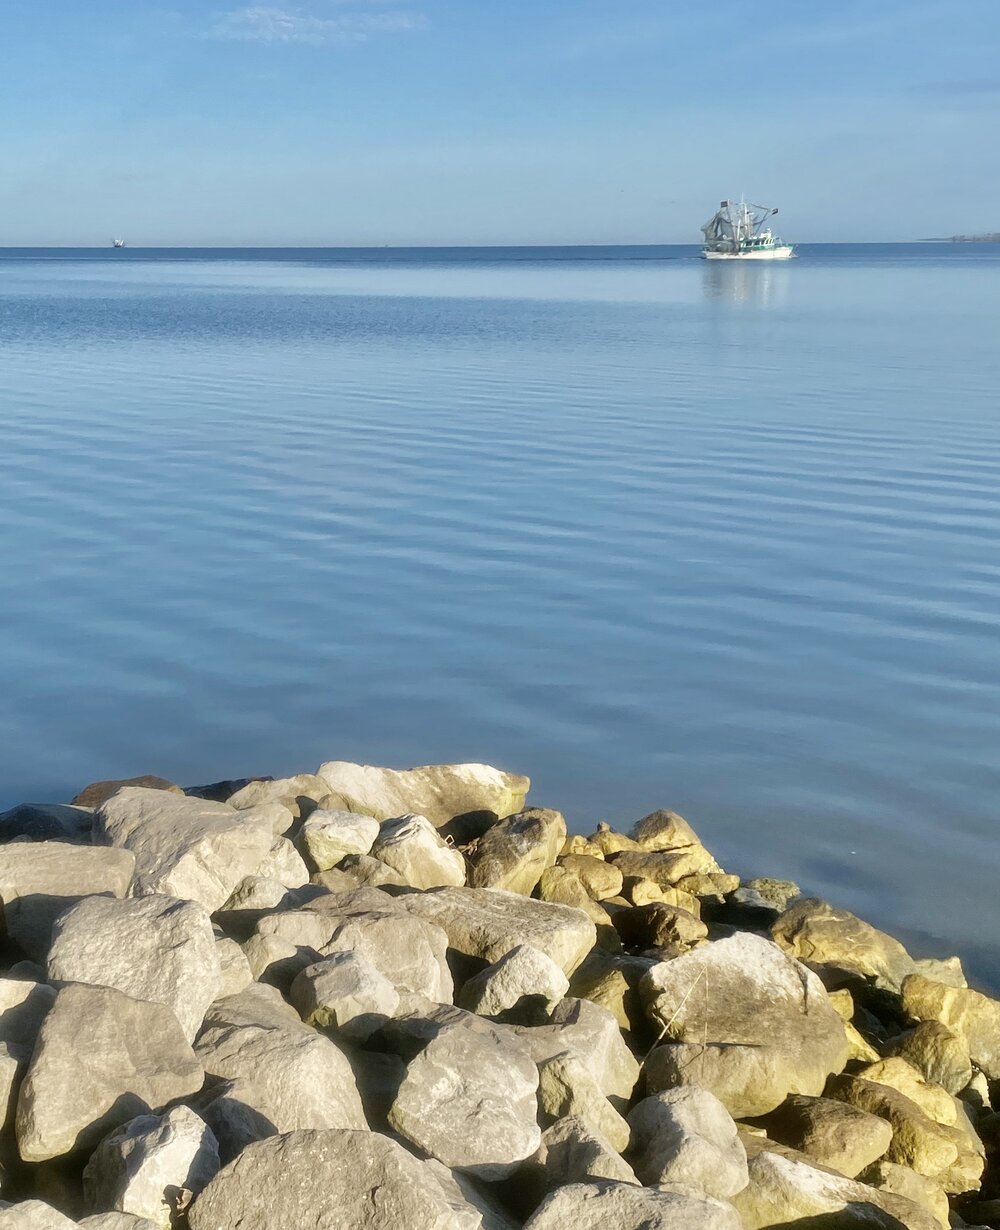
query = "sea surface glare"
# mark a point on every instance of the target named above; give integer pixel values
(656, 532)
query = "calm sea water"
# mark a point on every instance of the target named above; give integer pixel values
(656, 532)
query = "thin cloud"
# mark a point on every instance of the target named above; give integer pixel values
(264, 24)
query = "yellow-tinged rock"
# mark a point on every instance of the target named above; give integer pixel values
(898, 1074)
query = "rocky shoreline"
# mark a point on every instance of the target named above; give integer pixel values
(369, 999)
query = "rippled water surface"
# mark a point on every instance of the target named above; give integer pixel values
(656, 532)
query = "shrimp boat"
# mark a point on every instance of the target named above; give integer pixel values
(738, 232)
(118, 243)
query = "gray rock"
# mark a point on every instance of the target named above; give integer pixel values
(23, 1005)
(591, 1033)
(410, 952)
(472, 1203)
(439, 792)
(522, 973)
(345, 993)
(567, 1089)
(39, 880)
(660, 926)
(469, 1101)
(46, 822)
(362, 869)
(116, 1221)
(902, 1181)
(153, 948)
(302, 785)
(100, 1059)
(410, 845)
(32, 1215)
(234, 969)
(945, 969)
(152, 1166)
(489, 923)
(832, 1133)
(283, 1070)
(686, 1136)
(185, 847)
(330, 1180)
(816, 932)
(606, 1205)
(515, 851)
(572, 1152)
(747, 1023)
(329, 836)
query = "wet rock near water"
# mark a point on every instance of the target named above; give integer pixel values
(364, 998)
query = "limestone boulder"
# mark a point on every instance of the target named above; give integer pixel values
(820, 934)
(898, 1074)
(606, 1205)
(284, 864)
(283, 1070)
(902, 1181)
(927, 1147)
(276, 790)
(152, 1166)
(407, 950)
(33, 1215)
(39, 880)
(686, 1137)
(116, 1221)
(571, 1152)
(46, 822)
(591, 1033)
(562, 886)
(439, 792)
(152, 948)
(326, 1180)
(488, 924)
(791, 1191)
(186, 847)
(411, 846)
(663, 830)
(361, 870)
(832, 1133)
(513, 853)
(599, 878)
(938, 1054)
(973, 1018)
(100, 1059)
(745, 1021)
(234, 969)
(523, 973)
(567, 1089)
(329, 836)
(612, 981)
(660, 926)
(468, 1099)
(942, 969)
(346, 994)
(665, 867)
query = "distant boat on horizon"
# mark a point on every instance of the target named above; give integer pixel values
(118, 243)
(736, 231)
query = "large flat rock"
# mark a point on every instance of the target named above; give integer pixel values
(326, 1180)
(438, 791)
(488, 923)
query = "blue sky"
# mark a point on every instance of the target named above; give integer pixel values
(474, 121)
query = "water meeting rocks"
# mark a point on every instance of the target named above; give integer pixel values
(370, 999)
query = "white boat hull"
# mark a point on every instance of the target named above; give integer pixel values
(783, 252)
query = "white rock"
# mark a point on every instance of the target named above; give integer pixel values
(284, 864)
(411, 846)
(345, 993)
(302, 785)
(439, 792)
(33, 1215)
(153, 1166)
(622, 1206)
(686, 1136)
(187, 847)
(329, 836)
(153, 948)
(235, 974)
(524, 971)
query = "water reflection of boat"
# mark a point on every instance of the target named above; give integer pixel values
(761, 285)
